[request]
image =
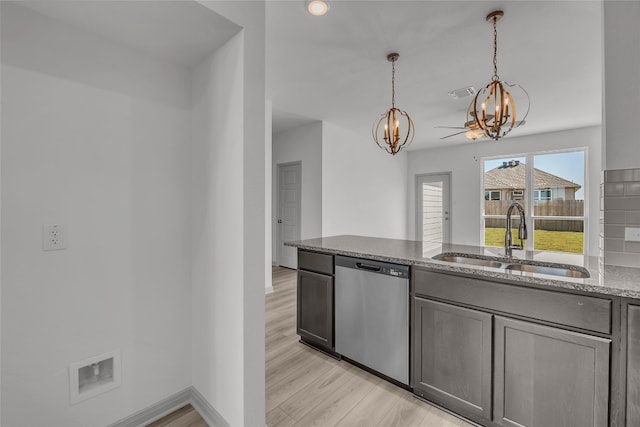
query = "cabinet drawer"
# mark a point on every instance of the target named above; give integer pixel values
(314, 261)
(579, 311)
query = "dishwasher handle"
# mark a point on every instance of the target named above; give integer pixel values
(368, 267)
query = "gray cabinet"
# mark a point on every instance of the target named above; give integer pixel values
(633, 365)
(546, 376)
(507, 355)
(452, 357)
(315, 299)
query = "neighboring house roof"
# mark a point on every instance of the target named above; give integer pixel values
(512, 175)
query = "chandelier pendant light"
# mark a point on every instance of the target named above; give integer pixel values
(393, 130)
(493, 109)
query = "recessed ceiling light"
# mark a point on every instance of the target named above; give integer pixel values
(317, 7)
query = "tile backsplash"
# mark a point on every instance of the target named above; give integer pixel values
(619, 209)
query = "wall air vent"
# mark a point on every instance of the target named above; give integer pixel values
(463, 93)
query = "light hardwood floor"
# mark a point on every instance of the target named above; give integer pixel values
(186, 416)
(308, 388)
(305, 387)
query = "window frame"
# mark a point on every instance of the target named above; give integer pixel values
(530, 218)
(538, 196)
(490, 194)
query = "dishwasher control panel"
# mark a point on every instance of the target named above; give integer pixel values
(396, 273)
(373, 266)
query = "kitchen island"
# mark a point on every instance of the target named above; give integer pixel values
(504, 347)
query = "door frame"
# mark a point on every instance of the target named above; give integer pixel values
(279, 241)
(446, 235)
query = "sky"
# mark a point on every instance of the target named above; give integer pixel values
(569, 166)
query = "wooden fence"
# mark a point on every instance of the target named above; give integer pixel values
(540, 208)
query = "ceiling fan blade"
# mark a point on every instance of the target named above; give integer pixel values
(449, 127)
(453, 134)
(489, 116)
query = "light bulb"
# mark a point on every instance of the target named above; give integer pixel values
(317, 7)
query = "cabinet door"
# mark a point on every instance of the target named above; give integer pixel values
(315, 308)
(452, 357)
(633, 365)
(549, 377)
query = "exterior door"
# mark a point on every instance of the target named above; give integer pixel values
(433, 206)
(289, 207)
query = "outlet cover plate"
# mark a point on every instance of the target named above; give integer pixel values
(632, 234)
(54, 237)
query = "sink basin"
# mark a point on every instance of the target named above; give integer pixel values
(555, 271)
(515, 265)
(484, 262)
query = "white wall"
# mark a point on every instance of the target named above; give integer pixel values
(218, 229)
(268, 183)
(364, 189)
(96, 137)
(464, 163)
(621, 84)
(303, 143)
(234, 333)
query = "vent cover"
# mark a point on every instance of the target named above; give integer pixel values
(463, 93)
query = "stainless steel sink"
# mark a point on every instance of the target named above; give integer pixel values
(515, 265)
(554, 271)
(473, 261)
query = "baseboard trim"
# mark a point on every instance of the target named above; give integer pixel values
(157, 410)
(206, 411)
(268, 290)
(172, 403)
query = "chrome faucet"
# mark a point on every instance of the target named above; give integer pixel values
(522, 230)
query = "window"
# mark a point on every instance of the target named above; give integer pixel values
(492, 195)
(541, 194)
(551, 189)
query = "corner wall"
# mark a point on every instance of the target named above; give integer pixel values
(364, 188)
(217, 229)
(96, 137)
(234, 382)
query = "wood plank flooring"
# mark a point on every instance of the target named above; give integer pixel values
(308, 388)
(186, 416)
(305, 387)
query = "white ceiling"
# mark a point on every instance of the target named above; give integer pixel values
(183, 32)
(334, 67)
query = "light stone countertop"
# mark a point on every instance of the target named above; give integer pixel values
(605, 279)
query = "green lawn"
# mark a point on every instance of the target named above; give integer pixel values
(558, 241)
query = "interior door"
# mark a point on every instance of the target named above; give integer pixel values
(289, 209)
(433, 207)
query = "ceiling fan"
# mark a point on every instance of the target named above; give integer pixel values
(471, 129)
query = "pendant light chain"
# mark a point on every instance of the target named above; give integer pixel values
(393, 83)
(495, 50)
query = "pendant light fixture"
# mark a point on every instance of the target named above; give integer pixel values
(493, 108)
(394, 129)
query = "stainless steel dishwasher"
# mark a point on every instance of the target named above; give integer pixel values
(372, 315)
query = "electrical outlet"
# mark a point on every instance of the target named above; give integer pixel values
(632, 234)
(54, 237)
